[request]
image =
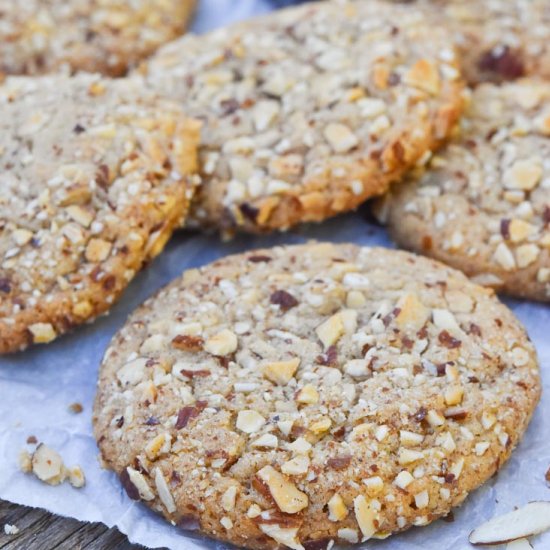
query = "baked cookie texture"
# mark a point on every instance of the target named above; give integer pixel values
(499, 40)
(108, 36)
(308, 111)
(313, 393)
(483, 204)
(96, 174)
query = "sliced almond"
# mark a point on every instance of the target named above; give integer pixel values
(283, 535)
(286, 495)
(519, 544)
(164, 491)
(366, 517)
(531, 519)
(140, 483)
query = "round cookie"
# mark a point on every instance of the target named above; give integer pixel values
(108, 36)
(96, 174)
(499, 39)
(483, 204)
(314, 393)
(308, 111)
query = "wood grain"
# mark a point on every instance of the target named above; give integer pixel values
(41, 530)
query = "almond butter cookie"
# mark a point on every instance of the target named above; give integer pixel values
(483, 204)
(96, 174)
(309, 111)
(108, 36)
(499, 40)
(307, 394)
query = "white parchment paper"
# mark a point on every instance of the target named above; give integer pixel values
(36, 388)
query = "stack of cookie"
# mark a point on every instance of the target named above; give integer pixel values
(299, 394)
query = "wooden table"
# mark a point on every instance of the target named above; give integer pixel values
(40, 530)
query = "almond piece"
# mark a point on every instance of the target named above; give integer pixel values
(164, 491)
(526, 255)
(47, 465)
(504, 257)
(410, 438)
(424, 75)
(283, 535)
(158, 446)
(520, 230)
(412, 312)
(22, 236)
(340, 137)
(435, 419)
(308, 395)
(331, 330)
(519, 544)
(76, 477)
(223, 343)
(297, 466)
(366, 517)
(337, 509)
(287, 496)
(454, 395)
(249, 421)
(80, 215)
(422, 499)
(408, 456)
(97, 250)
(320, 426)
(403, 479)
(531, 519)
(139, 482)
(281, 372)
(229, 498)
(42, 333)
(524, 174)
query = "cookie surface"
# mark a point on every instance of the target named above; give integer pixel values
(499, 40)
(314, 393)
(310, 110)
(95, 176)
(483, 205)
(108, 36)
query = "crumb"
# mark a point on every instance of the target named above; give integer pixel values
(10, 529)
(76, 408)
(31, 440)
(25, 461)
(47, 465)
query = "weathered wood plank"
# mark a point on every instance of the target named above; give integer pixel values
(40, 530)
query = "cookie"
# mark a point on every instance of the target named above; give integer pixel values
(314, 393)
(483, 205)
(96, 174)
(309, 111)
(108, 36)
(499, 40)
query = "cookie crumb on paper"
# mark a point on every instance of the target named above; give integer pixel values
(48, 466)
